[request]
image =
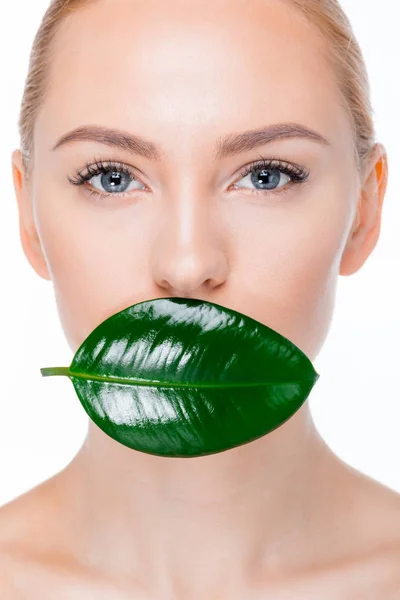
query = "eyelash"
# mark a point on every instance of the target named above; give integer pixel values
(297, 174)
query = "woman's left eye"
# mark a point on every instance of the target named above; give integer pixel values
(268, 175)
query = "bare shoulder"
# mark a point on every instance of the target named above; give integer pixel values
(373, 576)
(378, 512)
(25, 575)
(370, 567)
(31, 527)
(36, 557)
(23, 521)
(363, 563)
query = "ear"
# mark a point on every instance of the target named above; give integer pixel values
(27, 228)
(366, 229)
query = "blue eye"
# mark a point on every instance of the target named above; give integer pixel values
(114, 177)
(267, 173)
(115, 181)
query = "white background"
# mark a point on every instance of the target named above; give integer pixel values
(356, 402)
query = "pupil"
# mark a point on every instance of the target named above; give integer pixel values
(115, 178)
(271, 175)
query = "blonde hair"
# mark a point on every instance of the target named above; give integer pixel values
(344, 54)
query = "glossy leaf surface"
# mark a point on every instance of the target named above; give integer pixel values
(179, 377)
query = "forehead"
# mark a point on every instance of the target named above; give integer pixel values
(188, 70)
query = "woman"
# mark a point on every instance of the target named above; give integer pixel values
(113, 220)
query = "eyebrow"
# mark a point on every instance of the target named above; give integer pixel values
(229, 145)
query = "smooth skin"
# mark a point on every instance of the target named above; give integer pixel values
(283, 517)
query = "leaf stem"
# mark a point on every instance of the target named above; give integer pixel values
(48, 371)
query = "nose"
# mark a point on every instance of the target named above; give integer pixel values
(189, 254)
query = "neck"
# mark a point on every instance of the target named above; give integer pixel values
(215, 519)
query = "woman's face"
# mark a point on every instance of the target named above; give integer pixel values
(189, 224)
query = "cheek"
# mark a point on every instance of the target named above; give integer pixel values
(287, 270)
(96, 265)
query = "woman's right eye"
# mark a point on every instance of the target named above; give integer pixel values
(107, 179)
(112, 181)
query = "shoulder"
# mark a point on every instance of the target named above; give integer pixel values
(375, 576)
(359, 549)
(24, 518)
(11, 578)
(26, 575)
(377, 510)
(26, 526)
(36, 561)
(373, 570)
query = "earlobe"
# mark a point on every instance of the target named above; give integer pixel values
(33, 251)
(28, 234)
(352, 259)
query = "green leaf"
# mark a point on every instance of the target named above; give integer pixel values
(180, 377)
